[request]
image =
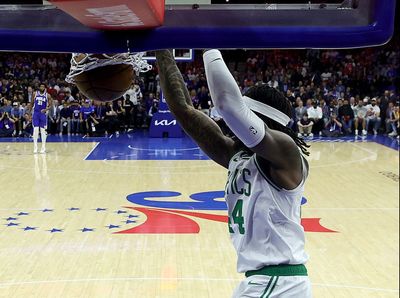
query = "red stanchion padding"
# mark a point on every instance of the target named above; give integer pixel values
(115, 14)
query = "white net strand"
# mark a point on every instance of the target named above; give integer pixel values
(88, 62)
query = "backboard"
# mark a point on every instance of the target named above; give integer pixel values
(185, 24)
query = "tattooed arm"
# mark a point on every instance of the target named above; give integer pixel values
(199, 126)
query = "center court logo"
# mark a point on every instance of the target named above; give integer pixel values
(179, 217)
(155, 212)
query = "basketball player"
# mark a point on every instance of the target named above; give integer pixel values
(266, 174)
(41, 104)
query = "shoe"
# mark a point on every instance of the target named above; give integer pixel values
(35, 149)
(364, 132)
(393, 134)
(43, 150)
(310, 135)
(375, 132)
(299, 135)
(356, 132)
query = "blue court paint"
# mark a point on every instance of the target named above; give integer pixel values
(22, 213)
(54, 230)
(29, 228)
(128, 221)
(132, 216)
(100, 209)
(86, 230)
(138, 146)
(56, 139)
(73, 209)
(47, 210)
(10, 224)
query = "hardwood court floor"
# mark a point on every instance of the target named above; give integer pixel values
(59, 215)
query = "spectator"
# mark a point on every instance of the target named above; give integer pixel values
(76, 118)
(112, 124)
(17, 117)
(6, 125)
(7, 106)
(95, 127)
(65, 118)
(333, 128)
(383, 105)
(346, 116)
(273, 82)
(290, 96)
(360, 112)
(119, 109)
(326, 113)
(53, 118)
(27, 128)
(373, 116)
(392, 119)
(68, 97)
(100, 109)
(309, 103)
(204, 100)
(86, 110)
(134, 94)
(352, 102)
(195, 99)
(315, 115)
(300, 110)
(128, 107)
(305, 126)
(28, 109)
(333, 107)
(141, 114)
(153, 109)
(29, 94)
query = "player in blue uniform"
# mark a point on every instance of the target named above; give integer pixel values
(41, 104)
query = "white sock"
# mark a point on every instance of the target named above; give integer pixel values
(35, 137)
(43, 134)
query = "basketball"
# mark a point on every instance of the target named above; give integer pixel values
(105, 83)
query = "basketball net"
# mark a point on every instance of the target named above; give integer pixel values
(82, 62)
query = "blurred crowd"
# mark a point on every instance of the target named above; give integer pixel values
(333, 92)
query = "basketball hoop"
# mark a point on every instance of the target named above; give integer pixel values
(82, 62)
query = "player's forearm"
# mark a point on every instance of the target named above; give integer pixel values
(172, 84)
(228, 100)
(199, 126)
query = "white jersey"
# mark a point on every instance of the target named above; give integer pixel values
(264, 219)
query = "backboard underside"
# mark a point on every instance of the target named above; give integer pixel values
(49, 29)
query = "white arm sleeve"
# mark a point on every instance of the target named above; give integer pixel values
(225, 93)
